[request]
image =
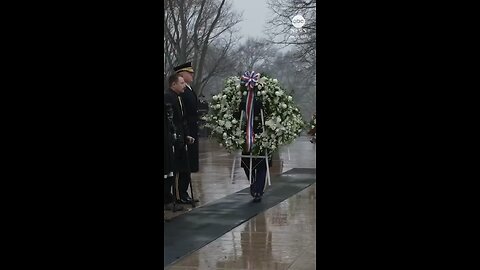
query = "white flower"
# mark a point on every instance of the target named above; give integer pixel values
(282, 124)
(269, 123)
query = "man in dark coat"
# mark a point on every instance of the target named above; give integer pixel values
(191, 112)
(169, 135)
(182, 138)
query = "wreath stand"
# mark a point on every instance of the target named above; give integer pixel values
(251, 156)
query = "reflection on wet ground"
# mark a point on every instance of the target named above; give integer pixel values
(214, 181)
(282, 237)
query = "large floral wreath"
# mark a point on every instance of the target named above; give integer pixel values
(283, 121)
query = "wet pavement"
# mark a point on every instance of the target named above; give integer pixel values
(282, 237)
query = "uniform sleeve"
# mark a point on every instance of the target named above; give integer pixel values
(191, 106)
(187, 130)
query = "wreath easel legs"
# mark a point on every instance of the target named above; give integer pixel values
(251, 157)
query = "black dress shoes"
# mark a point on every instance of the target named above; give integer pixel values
(186, 200)
(183, 201)
(190, 200)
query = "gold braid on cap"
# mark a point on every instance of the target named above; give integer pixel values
(188, 69)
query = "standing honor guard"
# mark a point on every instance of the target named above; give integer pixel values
(252, 114)
(190, 100)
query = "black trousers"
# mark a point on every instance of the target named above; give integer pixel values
(167, 190)
(184, 179)
(258, 180)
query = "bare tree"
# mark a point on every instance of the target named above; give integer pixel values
(201, 31)
(281, 30)
(253, 54)
(297, 80)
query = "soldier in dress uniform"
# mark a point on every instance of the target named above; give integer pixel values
(259, 166)
(182, 136)
(191, 112)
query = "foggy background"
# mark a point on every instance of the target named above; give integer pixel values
(225, 38)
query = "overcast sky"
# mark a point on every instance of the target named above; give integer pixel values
(255, 16)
